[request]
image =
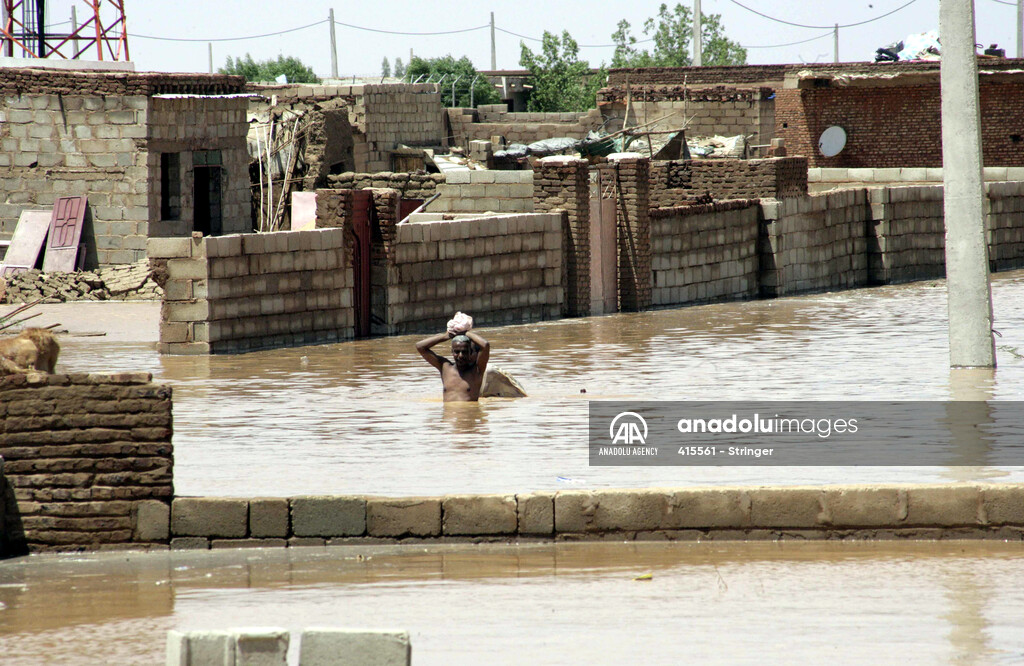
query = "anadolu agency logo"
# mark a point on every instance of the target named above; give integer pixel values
(628, 428)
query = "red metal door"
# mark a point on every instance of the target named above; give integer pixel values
(65, 232)
(361, 203)
(407, 206)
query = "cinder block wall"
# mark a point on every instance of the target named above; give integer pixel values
(814, 243)
(680, 182)
(502, 269)
(392, 114)
(1006, 225)
(85, 457)
(186, 124)
(495, 120)
(704, 253)
(253, 291)
(907, 237)
(563, 183)
(461, 191)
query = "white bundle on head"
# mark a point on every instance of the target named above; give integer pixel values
(460, 323)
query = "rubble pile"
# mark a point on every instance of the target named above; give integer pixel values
(113, 283)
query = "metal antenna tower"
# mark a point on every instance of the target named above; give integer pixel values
(101, 35)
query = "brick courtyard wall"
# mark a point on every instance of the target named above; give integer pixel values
(243, 292)
(704, 253)
(814, 243)
(564, 184)
(186, 124)
(744, 75)
(502, 269)
(495, 120)
(631, 181)
(907, 237)
(408, 185)
(680, 182)
(87, 460)
(704, 112)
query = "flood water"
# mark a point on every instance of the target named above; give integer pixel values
(778, 603)
(366, 416)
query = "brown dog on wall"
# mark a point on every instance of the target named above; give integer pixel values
(35, 349)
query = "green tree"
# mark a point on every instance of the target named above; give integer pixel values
(452, 69)
(672, 33)
(561, 81)
(399, 68)
(385, 67)
(269, 70)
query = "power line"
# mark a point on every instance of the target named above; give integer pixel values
(776, 46)
(419, 34)
(822, 27)
(227, 39)
(582, 46)
(1004, 2)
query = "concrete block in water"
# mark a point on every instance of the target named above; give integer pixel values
(500, 384)
(1003, 503)
(786, 507)
(863, 507)
(152, 521)
(209, 517)
(328, 516)
(268, 517)
(943, 506)
(200, 648)
(536, 513)
(479, 514)
(405, 516)
(354, 647)
(260, 647)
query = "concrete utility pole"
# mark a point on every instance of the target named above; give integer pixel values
(967, 281)
(210, 44)
(1020, 28)
(494, 57)
(74, 29)
(698, 48)
(835, 44)
(334, 46)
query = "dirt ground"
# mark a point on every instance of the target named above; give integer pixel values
(124, 321)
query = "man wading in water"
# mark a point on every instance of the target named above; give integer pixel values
(463, 379)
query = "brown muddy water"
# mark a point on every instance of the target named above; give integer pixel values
(367, 417)
(758, 603)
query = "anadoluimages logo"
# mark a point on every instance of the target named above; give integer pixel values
(628, 428)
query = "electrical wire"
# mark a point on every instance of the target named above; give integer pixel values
(776, 46)
(1004, 2)
(227, 39)
(582, 46)
(822, 27)
(419, 34)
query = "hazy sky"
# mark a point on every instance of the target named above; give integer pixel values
(361, 51)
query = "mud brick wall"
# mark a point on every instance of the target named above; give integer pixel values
(814, 243)
(1006, 225)
(186, 124)
(896, 126)
(16, 81)
(495, 120)
(631, 178)
(85, 456)
(679, 182)
(408, 185)
(676, 76)
(238, 293)
(564, 184)
(720, 110)
(502, 269)
(704, 253)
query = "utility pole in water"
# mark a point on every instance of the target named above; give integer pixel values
(698, 48)
(967, 277)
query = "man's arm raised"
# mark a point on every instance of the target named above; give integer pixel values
(429, 355)
(483, 346)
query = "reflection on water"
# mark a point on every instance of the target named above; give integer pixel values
(366, 416)
(781, 603)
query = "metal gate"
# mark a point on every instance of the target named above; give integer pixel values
(362, 208)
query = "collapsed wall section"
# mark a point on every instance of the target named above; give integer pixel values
(459, 191)
(253, 291)
(681, 182)
(494, 120)
(86, 456)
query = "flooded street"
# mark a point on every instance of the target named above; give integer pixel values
(763, 603)
(367, 417)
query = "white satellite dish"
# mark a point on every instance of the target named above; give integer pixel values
(832, 141)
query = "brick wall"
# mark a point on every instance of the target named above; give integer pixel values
(704, 253)
(186, 124)
(907, 236)
(461, 191)
(896, 125)
(502, 269)
(87, 459)
(243, 292)
(1006, 225)
(631, 178)
(17, 81)
(409, 185)
(741, 75)
(494, 120)
(720, 110)
(563, 184)
(679, 182)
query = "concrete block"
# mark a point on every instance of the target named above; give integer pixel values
(261, 646)
(328, 516)
(573, 510)
(1003, 504)
(786, 507)
(151, 521)
(862, 507)
(209, 517)
(168, 248)
(479, 514)
(354, 647)
(407, 516)
(536, 513)
(200, 648)
(707, 507)
(944, 506)
(268, 517)
(190, 543)
(177, 649)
